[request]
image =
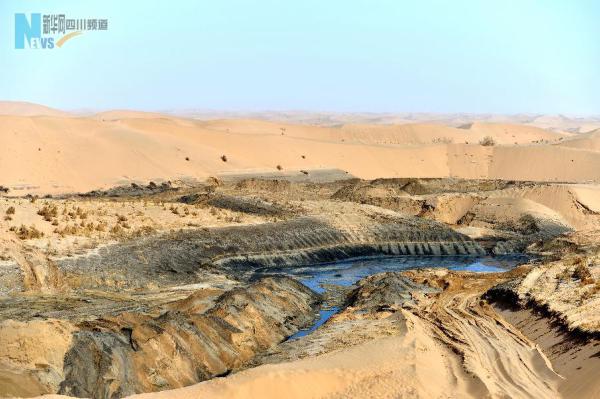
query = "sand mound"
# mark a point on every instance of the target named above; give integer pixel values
(585, 141)
(509, 133)
(53, 154)
(18, 108)
(126, 114)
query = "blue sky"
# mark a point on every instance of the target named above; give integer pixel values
(504, 56)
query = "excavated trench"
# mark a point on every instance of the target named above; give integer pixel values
(140, 315)
(334, 280)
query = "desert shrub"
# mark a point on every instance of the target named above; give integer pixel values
(487, 141)
(101, 226)
(582, 272)
(26, 233)
(81, 213)
(593, 291)
(279, 167)
(564, 275)
(4, 190)
(224, 158)
(48, 212)
(10, 210)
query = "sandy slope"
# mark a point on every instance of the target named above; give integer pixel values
(61, 154)
(28, 109)
(450, 338)
(585, 141)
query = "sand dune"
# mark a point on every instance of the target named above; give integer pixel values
(585, 141)
(53, 154)
(28, 109)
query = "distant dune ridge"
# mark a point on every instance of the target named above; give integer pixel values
(18, 108)
(48, 151)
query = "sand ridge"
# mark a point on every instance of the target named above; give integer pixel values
(56, 153)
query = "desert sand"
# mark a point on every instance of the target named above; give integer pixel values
(150, 254)
(42, 151)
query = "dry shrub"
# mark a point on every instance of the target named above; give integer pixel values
(101, 226)
(26, 233)
(117, 230)
(582, 272)
(595, 289)
(48, 212)
(487, 141)
(67, 230)
(81, 213)
(279, 167)
(10, 210)
(224, 158)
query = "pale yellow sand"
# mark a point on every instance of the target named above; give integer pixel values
(53, 154)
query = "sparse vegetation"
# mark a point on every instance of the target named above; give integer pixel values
(582, 273)
(10, 210)
(224, 158)
(487, 141)
(279, 167)
(4, 190)
(26, 233)
(48, 212)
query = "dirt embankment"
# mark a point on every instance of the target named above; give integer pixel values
(422, 333)
(165, 348)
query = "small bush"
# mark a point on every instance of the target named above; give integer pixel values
(224, 158)
(487, 141)
(26, 233)
(48, 212)
(279, 167)
(582, 273)
(10, 210)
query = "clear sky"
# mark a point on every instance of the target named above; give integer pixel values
(500, 56)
